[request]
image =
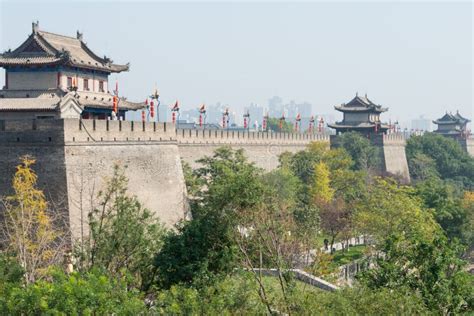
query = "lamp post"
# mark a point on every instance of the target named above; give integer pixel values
(202, 116)
(225, 119)
(247, 120)
(282, 119)
(174, 110)
(156, 96)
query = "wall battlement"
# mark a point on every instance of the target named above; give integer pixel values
(69, 131)
(244, 137)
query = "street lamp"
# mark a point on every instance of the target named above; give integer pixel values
(156, 96)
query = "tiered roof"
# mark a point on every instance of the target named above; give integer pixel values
(44, 48)
(360, 104)
(449, 118)
(50, 101)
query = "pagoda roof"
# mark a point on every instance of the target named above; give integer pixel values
(50, 101)
(449, 118)
(360, 104)
(461, 118)
(364, 125)
(44, 48)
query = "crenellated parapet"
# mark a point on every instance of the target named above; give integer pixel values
(246, 137)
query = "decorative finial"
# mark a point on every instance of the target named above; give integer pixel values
(366, 95)
(79, 35)
(35, 27)
(357, 93)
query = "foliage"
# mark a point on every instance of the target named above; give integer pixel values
(234, 295)
(422, 167)
(360, 301)
(389, 208)
(363, 153)
(321, 191)
(273, 124)
(75, 294)
(451, 161)
(204, 247)
(445, 201)
(29, 230)
(124, 236)
(336, 219)
(429, 267)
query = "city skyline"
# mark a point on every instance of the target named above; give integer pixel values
(295, 51)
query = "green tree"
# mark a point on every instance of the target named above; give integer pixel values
(445, 201)
(75, 294)
(389, 208)
(124, 236)
(429, 267)
(365, 156)
(273, 124)
(204, 247)
(451, 161)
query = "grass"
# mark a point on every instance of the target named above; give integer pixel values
(343, 257)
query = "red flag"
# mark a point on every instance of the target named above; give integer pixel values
(173, 117)
(200, 120)
(152, 109)
(143, 116)
(146, 101)
(245, 122)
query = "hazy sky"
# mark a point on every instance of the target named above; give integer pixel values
(415, 58)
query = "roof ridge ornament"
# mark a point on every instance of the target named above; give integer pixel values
(35, 27)
(79, 35)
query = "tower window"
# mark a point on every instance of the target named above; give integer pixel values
(69, 82)
(86, 84)
(101, 86)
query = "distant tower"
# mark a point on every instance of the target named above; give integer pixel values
(363, 116)
(360, 115)
(454, 126)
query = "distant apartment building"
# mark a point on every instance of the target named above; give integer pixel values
(421, 124)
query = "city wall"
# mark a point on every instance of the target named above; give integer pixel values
(262, 148)
(74, 159)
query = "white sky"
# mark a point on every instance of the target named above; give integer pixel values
(415, 58)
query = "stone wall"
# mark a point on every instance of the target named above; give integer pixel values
(263, 148)
(75, 157)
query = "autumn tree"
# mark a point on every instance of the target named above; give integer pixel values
(321, 191)
(30, 228)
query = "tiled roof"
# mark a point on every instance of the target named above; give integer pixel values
(42, 48)
(360, 104)
(101, 100)
(358, 125)
(49, 100)
(29, 104)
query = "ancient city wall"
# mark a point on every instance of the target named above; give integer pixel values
(75, 157)
(263, 148)
(392, 154)
(394, 157)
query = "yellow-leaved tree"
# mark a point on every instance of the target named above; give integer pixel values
(321, 191)
(28, 227)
